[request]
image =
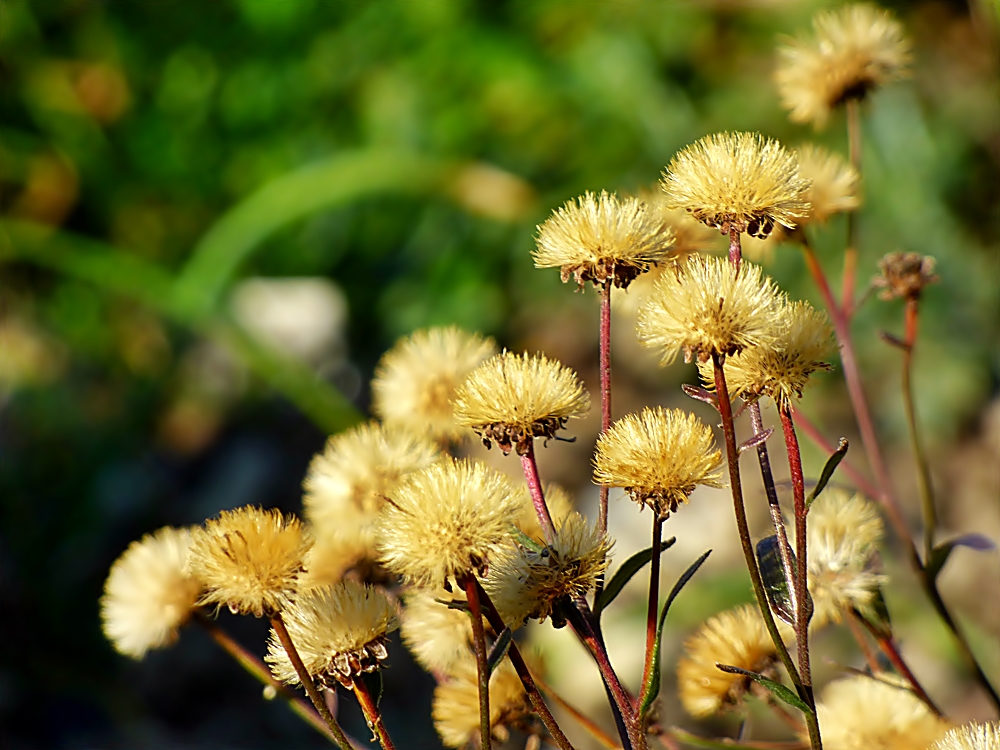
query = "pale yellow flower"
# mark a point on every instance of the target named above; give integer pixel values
(834, 185)
(438, 636)
(970, 737)
(456, 704)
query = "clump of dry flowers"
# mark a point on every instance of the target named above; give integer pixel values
(404, 530)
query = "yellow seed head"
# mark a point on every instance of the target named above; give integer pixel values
(834, 185)
(456, 703)
(446, 522)
(737, 638)
(594, 238)
(438, 636)
(707, 307)
(738, 181)
(659, 456)
(416, 380)
(970, 737)
(513, 398)
(249, 559)
(148, 595)
(854, 50)
(339, 631)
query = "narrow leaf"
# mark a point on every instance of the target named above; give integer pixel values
(893, 340)
(700, 394)
(776, 583)
(499, 650)
(524, 540)
(652, 689)
(941, 553)
(831, 465)
(776, 688)
(624, 574)
(759, 439)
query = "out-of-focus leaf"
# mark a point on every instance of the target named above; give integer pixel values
(775, 688)
(624, 574)
(524, 540)
(941, 553)
(499, 650)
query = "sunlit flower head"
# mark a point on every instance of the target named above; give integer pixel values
(970, 737)
(557, 500)
(735, 638)
(416, 380)
(738, 181)
(513, 398)
(249, 559)
(446, 522)
(597, 237)
(865, 713)
(834, 185)
(438, 636)
(659, 456)
(456, 704)
(339, 631)
(148, 595)
(854, 50)
(904, 275)
(706, 306)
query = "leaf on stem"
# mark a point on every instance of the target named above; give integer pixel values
(499, 650)
(776, 689)
(941, 553)
(525, 541)
(894, 340)
(624, 574)
(831, 465)
(776, 584)
(701, 394)
(759, 439)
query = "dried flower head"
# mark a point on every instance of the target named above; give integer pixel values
(456, 704)
(904, 275)
(780, 369)
(855, 49)
(339, 631)
(249, 559)
(446, 522)
(531, 582)
(513, 398)
(559, 504)
(438, 636)
(970, 737)
(148, 595)
(736, 638)
(834, 184)
(737, 181)
(659, 456)
(706, 306)
(866, 713)
(595, 238)
(416, 380)
(844, 533)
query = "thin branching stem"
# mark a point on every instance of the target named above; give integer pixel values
(372, 714)
(652, 610)
(530, 467)
(471, 586)
(605, 347)
(853, 625)
(602, 737)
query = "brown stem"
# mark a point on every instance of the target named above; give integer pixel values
(307, 681)
(814, 434)
(537, 702)
(652, 612)
(530, 468)
(735, 250)
(471, 586)
(602, 514)
(850, 252)
(372, 714)
(859, 635)
(604, 739)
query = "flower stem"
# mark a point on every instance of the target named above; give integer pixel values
(307, 681)
(530, 467)
(851, 252)
(604, 739)
(471, 586)
(735, 249)
(372, 714)
(605, 346)
(652, 612)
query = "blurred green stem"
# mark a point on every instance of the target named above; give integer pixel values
(652, 609)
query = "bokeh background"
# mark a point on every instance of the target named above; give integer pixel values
(217, 216)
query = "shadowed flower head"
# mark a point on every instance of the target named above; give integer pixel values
(904, 275)
(339, 631)
(513, 398)
(779, 369)
(736, 638)
(865, 713)
(438, 636)
(249, 559)
(456, 704)
(738, 181)
(594, 238)
(446, 522)
(659, 456)
(855, 49)
(833, 183)
(970, 737)
(148, 595)
(530, 582)
(416, 379)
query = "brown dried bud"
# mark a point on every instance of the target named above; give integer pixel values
(904, 275)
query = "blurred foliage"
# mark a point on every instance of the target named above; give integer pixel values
(155, 155)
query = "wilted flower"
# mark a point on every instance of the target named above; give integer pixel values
(512, 399)
(456, 704)
(970, 737)
(833, 183)
(904, 275)
(438, 636)
(339, 632)
(249, 559)
(148, 595)
(737, 181)
(416, 380)
(594, 238)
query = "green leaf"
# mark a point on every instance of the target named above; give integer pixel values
(831, 465)
(624, 574)
(776, 688)
(776, 583)
(652, 689)
(499, 650)
(941, 553)
(524, 540)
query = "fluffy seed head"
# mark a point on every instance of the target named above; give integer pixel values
(446, 522)
(738, 181)
(779, 369)
(148, 595)
(438, 636)
(834, 184)
(854, 50)
(339, 631)
(737, 638)
(904, 275)
(529, 583)
(249, 559)
(970, 737)
(865, 713)
(706, 306)
(594, 238)
(416, 379)
(513, 398)
(456, 703)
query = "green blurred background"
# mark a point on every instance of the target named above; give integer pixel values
(217, 216)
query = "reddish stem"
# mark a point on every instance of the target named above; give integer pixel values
(851, 252)
(471, 586)
(735, 249)
(372, 715)
(530, 467)
(605, 347)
